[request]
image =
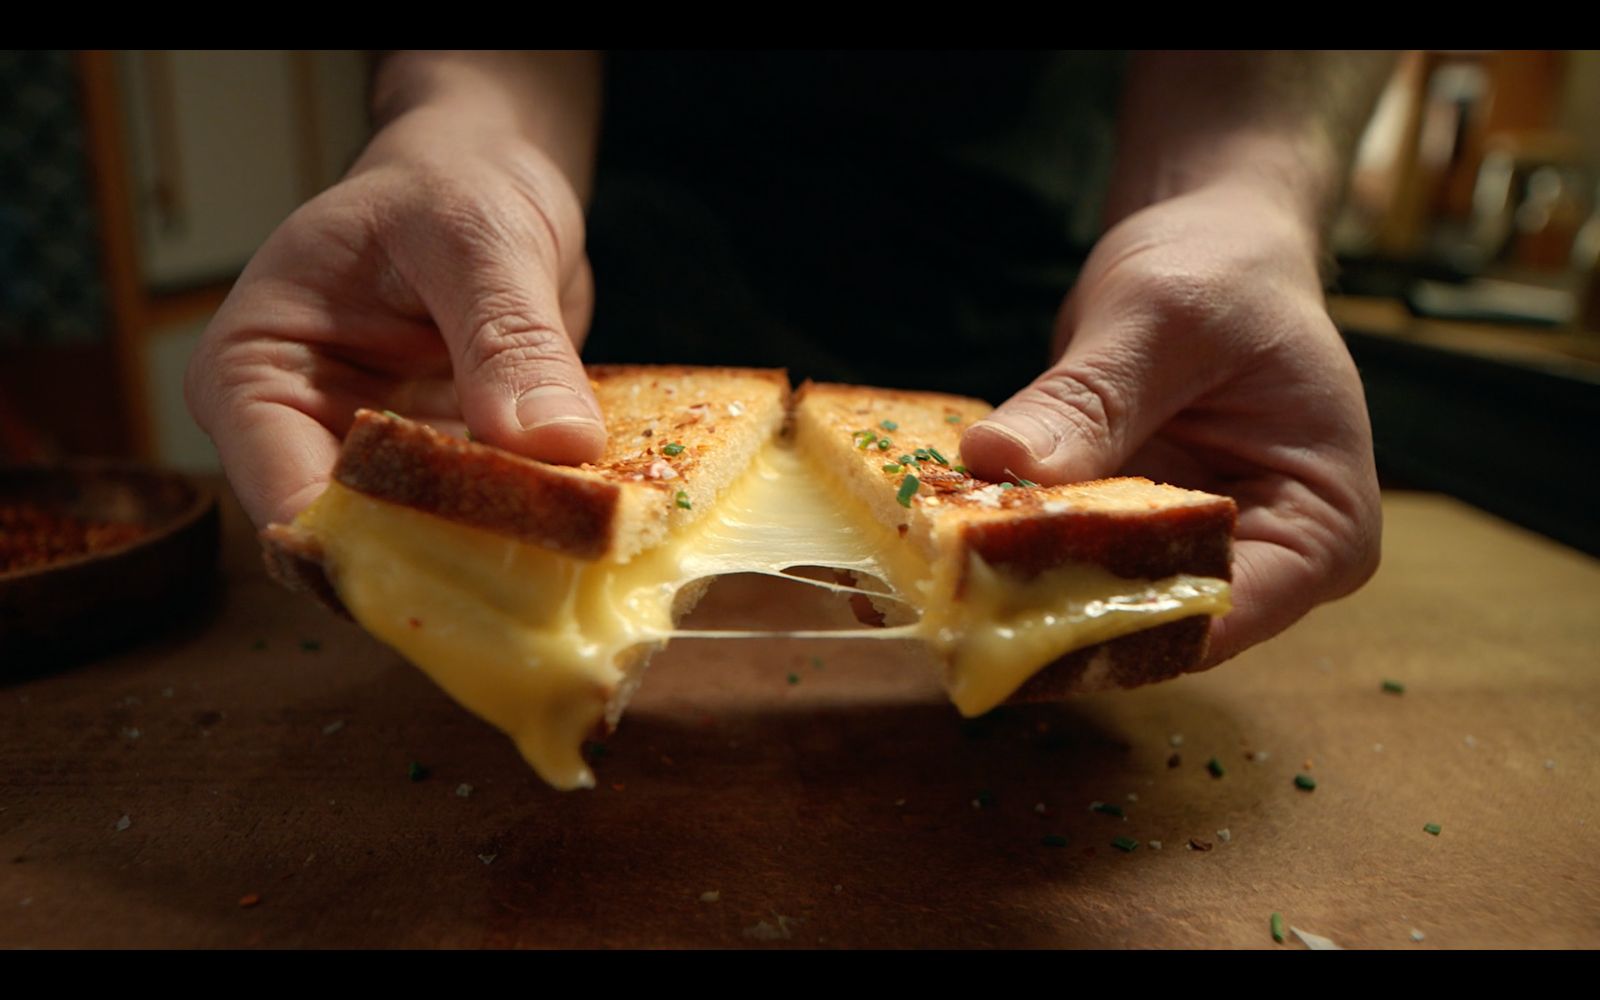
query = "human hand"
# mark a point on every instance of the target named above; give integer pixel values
(444, 278)
(1198, 351)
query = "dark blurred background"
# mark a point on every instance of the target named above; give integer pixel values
(135, 185)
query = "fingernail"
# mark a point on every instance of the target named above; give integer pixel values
(1026, 432)
(546, 405)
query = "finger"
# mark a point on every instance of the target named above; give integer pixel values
(277, 458)
(1273, 587)
(490, 285)
(1083, 419)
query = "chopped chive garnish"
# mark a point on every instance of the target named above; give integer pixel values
(884, 444)
(416, 772)
(1054, 840)
(908, 489)
(794, 678)
(864, 438)
(1305, 782)
(984, 798)
(922, 454)
(1025, 482)
(391, 413)
(683, 501)
(1109, 808)
(672, 449)
(888, 425)
(1394, 687)
(952, 418)
(595, 750)
(1432, 828)
(816, 663)
(1277, 928)
(1215, 767)
(1125, 843)
(891, 467)
(934, 454)
(1007, 486)
(469, 435)
(961, 469)
(905, 459)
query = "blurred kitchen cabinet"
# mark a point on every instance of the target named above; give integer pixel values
(197, 157)
(222, 146)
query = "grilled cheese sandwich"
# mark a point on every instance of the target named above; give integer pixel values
(543, 629)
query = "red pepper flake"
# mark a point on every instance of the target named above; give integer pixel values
(1197, 844)
(619, 786)
(1174, 760)
(248, 900)
(414, 622)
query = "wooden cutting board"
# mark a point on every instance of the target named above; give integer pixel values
(799, 794)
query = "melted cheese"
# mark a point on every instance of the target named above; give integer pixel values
(540, 644)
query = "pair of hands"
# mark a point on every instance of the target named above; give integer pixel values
(445, 277)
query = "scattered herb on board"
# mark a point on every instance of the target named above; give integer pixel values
(1107, 808)
(794, 678)
(1432, 828)
(888, 425)
(908, 489)
(1277, 928)
(1125, 844)
(682, 500)
(816, 663)
(1305, 782)
(672, 449)
(310, 645)
(1174, 760)
(259, 645)
(1215, 767)
(416, 772)
(891, 468)
(594, 750)
(1394, 687)
(1054, 840)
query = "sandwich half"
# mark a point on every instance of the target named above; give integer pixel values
(535, 594)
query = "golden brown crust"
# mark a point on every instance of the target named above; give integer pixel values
(1156, 654)
(294, 558)
(714, 419)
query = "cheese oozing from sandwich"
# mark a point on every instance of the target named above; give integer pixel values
(540, 644)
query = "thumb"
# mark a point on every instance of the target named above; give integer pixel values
(491, 287)
(1082, 419)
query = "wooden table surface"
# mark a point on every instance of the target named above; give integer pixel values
(825, 792)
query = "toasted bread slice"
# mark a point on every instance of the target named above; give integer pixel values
(670, 429)
(1131, 527)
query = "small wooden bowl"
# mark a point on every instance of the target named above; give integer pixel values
(98, 602)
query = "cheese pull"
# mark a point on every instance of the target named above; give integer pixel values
(547, 647)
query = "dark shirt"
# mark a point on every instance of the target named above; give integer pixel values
(909, 219)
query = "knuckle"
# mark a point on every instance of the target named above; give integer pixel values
(513, 344)
(1084, 395)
